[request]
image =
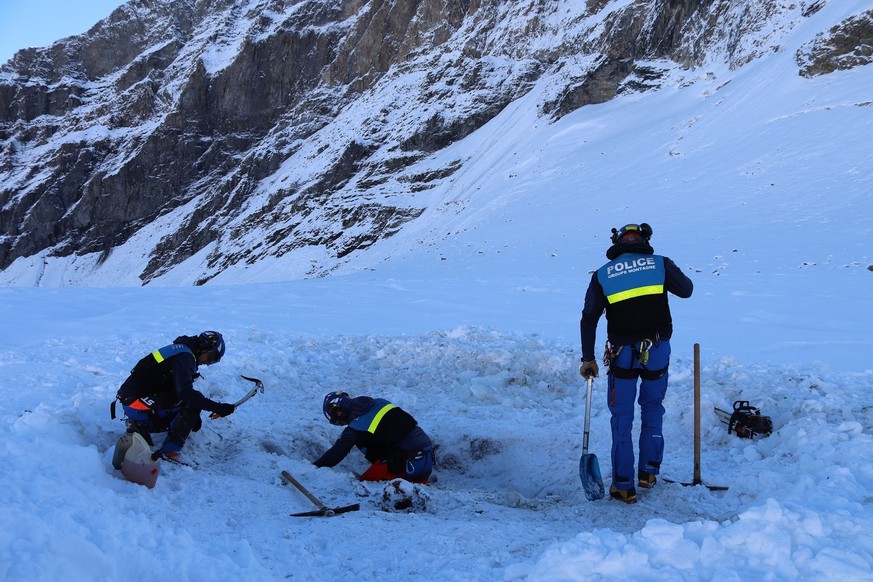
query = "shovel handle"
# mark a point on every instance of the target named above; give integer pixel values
(697, 413)
(287, 476)
(590, 382)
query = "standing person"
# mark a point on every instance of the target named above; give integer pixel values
(389, 437)
(159, 394)
(632, 288)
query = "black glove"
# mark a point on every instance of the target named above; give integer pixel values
(396, 461)
(589, 369)
(223, 409)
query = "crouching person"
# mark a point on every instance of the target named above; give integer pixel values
(159, 395)
(389, 437)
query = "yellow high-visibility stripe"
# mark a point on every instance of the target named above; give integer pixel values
(378, 417)
(158, 356)
(638, 292)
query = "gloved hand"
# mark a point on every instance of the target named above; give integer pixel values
(223, 409)
(589, 369)
(396, 462)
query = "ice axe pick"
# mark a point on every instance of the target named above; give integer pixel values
(259, 387)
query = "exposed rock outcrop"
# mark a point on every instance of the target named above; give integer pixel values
(244, 130)
(843, 47)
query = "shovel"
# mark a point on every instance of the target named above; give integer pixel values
(589, 468)
(322, 510)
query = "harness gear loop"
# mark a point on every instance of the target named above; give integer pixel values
(610, 355)
(610, 358)
(642, 353)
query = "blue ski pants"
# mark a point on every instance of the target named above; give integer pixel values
(177, 422)
(626, 372)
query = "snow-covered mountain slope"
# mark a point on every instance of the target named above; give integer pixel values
(264, 141)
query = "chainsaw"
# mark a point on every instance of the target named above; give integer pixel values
(745, 421)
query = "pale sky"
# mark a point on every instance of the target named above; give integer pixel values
(26, 23)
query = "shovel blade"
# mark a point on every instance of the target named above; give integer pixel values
(592, 482)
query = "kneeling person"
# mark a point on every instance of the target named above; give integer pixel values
(159, 395)
(389, 437)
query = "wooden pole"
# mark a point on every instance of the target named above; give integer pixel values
(696, 480)
(303, 490)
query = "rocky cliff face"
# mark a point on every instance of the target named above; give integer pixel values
(235, 130)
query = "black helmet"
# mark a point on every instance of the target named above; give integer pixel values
(212, 343)
(336, 407)
(632, 233)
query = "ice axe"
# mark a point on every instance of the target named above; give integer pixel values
(259, 387)
(589, 467)
(322, 510)
(696, 480)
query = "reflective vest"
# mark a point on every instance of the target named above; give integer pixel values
(385, 425)
(636, 292)
(152, 374)
(169, 351)
(632, 275)
(369, 421)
